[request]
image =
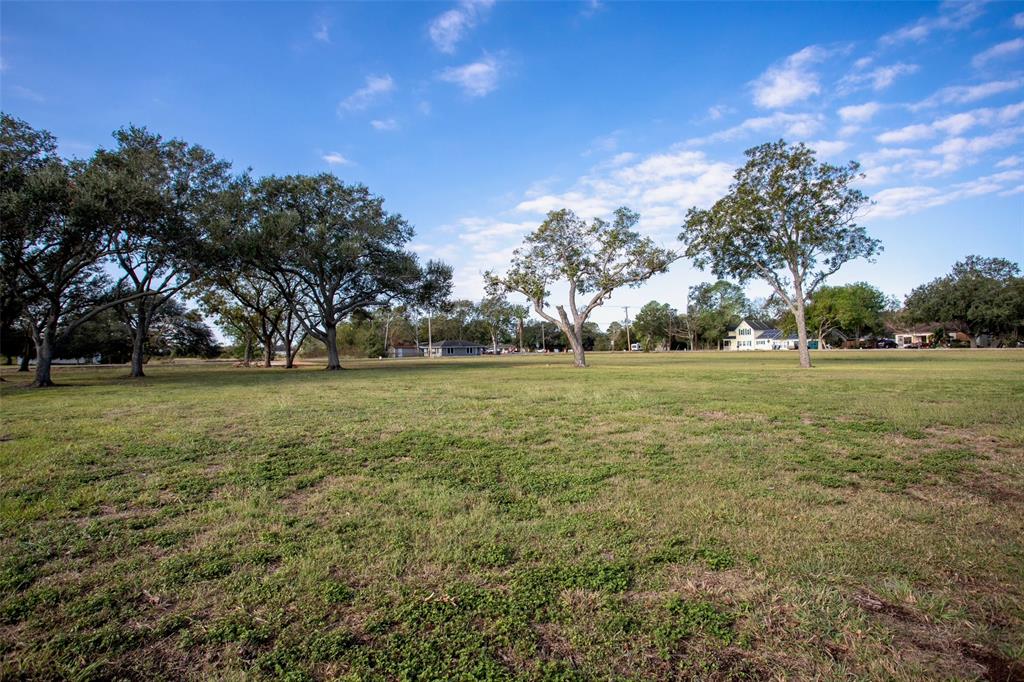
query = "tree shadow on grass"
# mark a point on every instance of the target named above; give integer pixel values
(223, 375)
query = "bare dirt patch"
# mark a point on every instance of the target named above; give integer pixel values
(930, 645)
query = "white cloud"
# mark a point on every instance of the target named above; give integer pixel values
(335, 159)
(476, 79)
(879, 166)
(876, 79)
(964, 94)
(954, 124)
(718, 111)
(603, 144)
(1010, 162)
(829, 148)
(953, 16)
(799, 126)
(384, 124)
(322, 32)
(898, 201)
(999, 51)
(1018, 20)
(591, 7)
(918, 131)
(977, 145)
(859, 113)
(486, 231)
(26, 93)
(448, 29)
(622, 158)
(790, 81)
(375, 88)
(661, 187)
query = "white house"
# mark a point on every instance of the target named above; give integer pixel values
(452, 348)
(754, 335)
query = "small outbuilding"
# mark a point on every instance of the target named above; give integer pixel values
(404, 350)
(450, 348)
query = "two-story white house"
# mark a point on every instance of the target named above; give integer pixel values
(754, 335)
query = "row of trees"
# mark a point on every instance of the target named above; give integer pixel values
(149, 219)
(982, 296)
(283, 260)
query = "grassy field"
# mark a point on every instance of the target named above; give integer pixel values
(705, 516)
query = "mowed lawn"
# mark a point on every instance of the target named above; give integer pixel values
(704, 516)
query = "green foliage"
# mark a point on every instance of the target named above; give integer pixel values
(332, 250)
(980, 296)
(853, 309)
(686, 618)
(593, 259)
(787, 220)
(657, 325)
(714, 310)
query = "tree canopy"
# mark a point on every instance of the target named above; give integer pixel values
(980, 296)
(788, 220)
(332, 249)
(850, 309)
(591, 260)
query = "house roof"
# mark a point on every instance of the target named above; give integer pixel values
(455, 343)
(757, 325)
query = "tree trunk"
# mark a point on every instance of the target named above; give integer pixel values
(333, 363)
(287, 353)
(44, 358)
(430, 339)
(26, 355)
(268, 352)
(801, 331)
(247, 358)
(580, 358)
(520, 336)
(494, 343)
(575, 337)
(139, 343)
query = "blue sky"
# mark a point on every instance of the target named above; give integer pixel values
(475, 118)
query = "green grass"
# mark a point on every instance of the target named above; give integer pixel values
(694, 516)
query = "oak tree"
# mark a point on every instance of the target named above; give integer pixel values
(787, 220)
(591, 260)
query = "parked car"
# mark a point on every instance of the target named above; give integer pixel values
(886, 343)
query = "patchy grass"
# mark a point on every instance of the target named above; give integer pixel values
(703, 516)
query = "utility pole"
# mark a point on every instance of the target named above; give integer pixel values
(629, 344)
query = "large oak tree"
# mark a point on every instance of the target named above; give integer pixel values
(787, 220)
(332, 250)
(56, 237)
(162, 197)
(591, 259)
(980, 296)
